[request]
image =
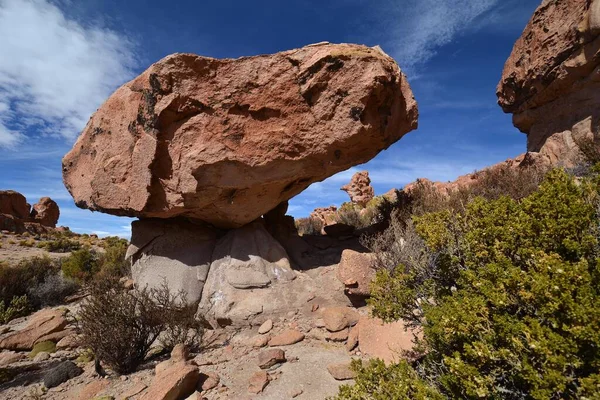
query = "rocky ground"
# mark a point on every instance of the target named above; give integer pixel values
(303, 353)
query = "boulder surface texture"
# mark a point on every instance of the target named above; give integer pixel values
(225, 141)
(551, 81)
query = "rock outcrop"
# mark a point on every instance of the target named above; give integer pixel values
(359, 189)
(45, 212)
(226, 141)
(16, 215)
(14, 203)
(551, 81)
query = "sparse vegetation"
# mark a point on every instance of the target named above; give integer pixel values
(46, 346)
(61, 245)
(309, 226)
(120, 326)
(18, 307)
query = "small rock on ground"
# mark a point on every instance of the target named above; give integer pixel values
(341, 371)
(268, 358)
(258, 382)
(286, 338)
(266, 327)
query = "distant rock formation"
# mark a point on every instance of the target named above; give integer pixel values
(359, 189)
(45, 212)
(226, 141)
(551, 81)
(16, 215)
(201, 149)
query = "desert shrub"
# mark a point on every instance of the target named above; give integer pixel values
(18, 307)
(52, 291)
(180, 323)
(398, 382)
(119, 326)
(61, 245)
(509, 310)
(16, 280)
(309, 226)
(113, 261)
(81, 265)
(47, 346)
(27, 243)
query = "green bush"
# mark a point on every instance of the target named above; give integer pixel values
(18, 307)
(16, 280)
(81, 265)
(509, 309)
(113, 261)
(60, 245)
(48, 346)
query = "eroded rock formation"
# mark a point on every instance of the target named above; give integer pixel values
(226, 141)
(359, 189)
(551, 81)
(16, 215)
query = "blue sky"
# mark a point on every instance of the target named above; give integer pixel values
(61, 59)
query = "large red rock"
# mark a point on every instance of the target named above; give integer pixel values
(42, 323)
(551, 81)
(359, 189)
(14, 203)
(45, 212)
(225, 141)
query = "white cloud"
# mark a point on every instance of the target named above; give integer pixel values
(415, 29)
(54, 72)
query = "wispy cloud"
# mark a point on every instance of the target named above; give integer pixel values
(415, 29)
(54, 72)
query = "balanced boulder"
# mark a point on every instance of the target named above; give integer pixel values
(551, 81)
(226, 141)
(359, 189)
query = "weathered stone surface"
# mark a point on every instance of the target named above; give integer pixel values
(265, 327)
(225, 141)
(286, 338)
(258, 382)
(268, 358)
(209, 381)
(14, 203)
(45, 212)
(42, 323)
(339, 318)
(551, 81)
(175, 252)
(352, 338)
(11, 223)
(177, 381)
(386, 341)
(245, 258)
(359, 189)
(356, 271)
(9, 357)
(61, 373)
(341, 371)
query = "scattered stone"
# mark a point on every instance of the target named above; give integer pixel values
(352, 338)
(258, 382)
(91, 390)
(41, 356)
(9, 357)
(61, 373)
(71, 341)
(180, 353)
(318, 334)
(260, 341)
(339, 336)
(42, 323)
(266, 327)
(338, 318)
(341, 371)
(286, 338)
(176, 382)
(314, 307)
(268, 358)
(296, 392)
(208, 381)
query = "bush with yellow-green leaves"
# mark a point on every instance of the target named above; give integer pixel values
(507, 300)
